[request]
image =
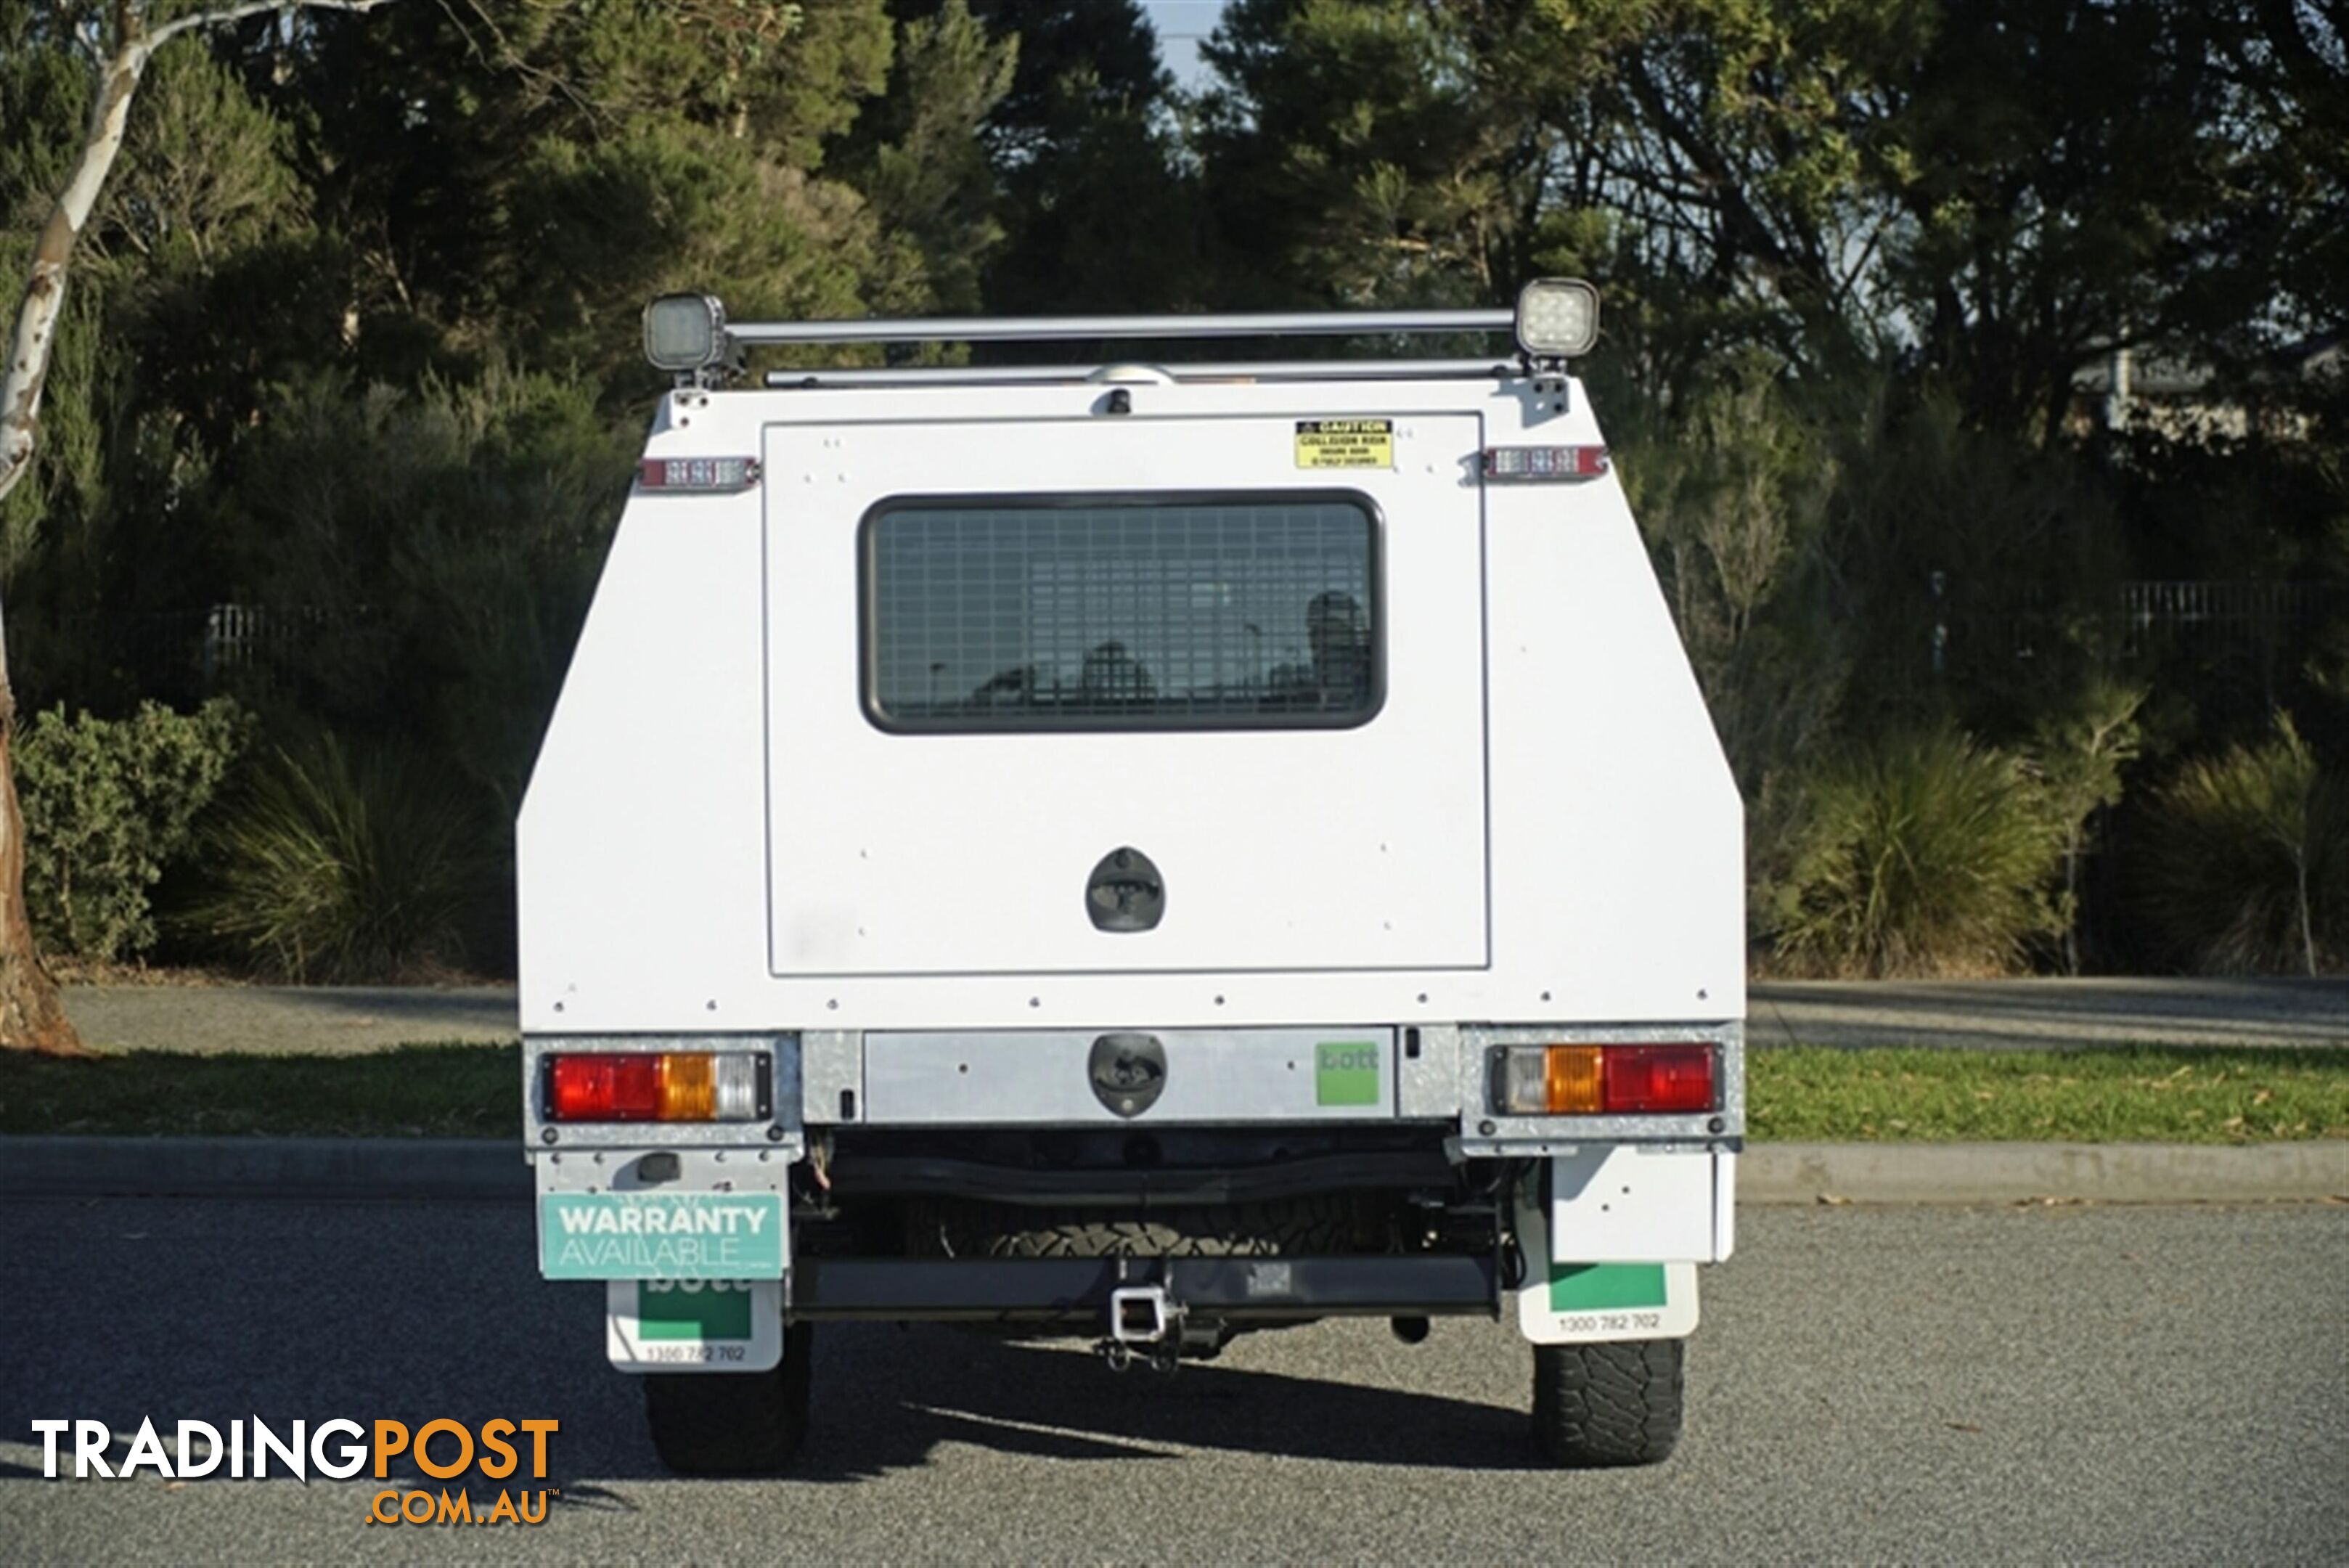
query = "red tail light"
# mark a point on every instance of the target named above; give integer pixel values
(603, 1088)
(1658, 1078)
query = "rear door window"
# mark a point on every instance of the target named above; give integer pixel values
(1123, 612)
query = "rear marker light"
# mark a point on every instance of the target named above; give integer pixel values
(658, 1086)
(1603, 1080)
(1544, 464)
(716, 475)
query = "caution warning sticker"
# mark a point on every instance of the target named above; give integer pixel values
(1345, 443)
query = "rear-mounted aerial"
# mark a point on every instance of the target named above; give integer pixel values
(657, 1085)
(715, 475)
(1544, 464)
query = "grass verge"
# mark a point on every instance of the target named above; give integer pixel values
(1813, 1094)
(414, 1091)
(1795, 1094)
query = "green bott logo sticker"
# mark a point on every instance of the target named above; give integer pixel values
(1346, 1073)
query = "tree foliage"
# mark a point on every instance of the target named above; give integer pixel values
(352, 344)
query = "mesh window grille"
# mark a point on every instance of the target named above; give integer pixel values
(1092, 613)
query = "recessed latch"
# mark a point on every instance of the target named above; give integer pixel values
(1125, 892)
(1127, 1071)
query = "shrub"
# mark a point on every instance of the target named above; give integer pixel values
(1731, 504)
(1924, 853)
(2078, 755)
(342, 869)
(2246, 863)
(108, 802)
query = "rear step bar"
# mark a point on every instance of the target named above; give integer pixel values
(1081, 1289)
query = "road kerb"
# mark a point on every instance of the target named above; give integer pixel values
(2019, 1172)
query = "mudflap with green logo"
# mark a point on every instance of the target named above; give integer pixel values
(1575, 1303)
(694, 1326)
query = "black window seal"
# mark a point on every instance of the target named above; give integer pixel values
(1031, 722)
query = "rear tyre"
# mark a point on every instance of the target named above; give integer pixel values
(1611, 1404)
(732, 1422)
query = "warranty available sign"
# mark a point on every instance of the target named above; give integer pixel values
(661, 1236)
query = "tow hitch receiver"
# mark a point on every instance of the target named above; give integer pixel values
(1141, 1315)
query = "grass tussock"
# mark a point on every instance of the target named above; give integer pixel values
(340, 869)
(1926, 853)
(2246, 866)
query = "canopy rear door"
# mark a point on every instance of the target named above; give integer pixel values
(1125, 695)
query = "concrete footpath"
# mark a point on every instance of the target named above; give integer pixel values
(492, 1169)
(2007, 1015)
(275, 1019)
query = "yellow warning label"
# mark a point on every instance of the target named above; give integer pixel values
(1345, 443)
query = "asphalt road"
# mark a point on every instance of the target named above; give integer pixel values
(2010, 1385)
(2044, 1014)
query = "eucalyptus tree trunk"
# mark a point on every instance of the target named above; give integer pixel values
(32, 1018)
(121, 43)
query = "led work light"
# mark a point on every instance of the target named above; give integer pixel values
(1557, 319)
(685, 332)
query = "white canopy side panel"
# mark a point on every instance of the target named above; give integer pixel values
(1618, 839)
(640, 849)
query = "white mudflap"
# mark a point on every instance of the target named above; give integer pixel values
(1620, 1203)
(694, 1326)
(1578, 1303)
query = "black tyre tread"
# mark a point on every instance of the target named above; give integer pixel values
(1608, 1404)
(1321, 1224)
(732, 1422)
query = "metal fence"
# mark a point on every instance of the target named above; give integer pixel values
(2233, 648)
(178, 657)
(2249, 616)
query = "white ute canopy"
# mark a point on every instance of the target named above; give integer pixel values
(1210, 694)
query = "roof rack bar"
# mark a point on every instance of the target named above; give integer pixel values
(1061, 329)
(1280, 370)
